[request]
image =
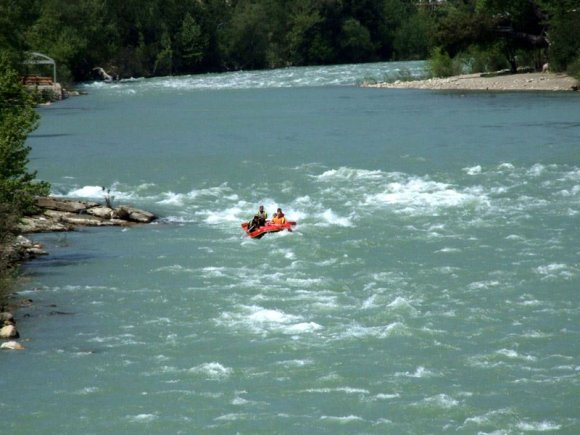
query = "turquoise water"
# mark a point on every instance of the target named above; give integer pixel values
(430, 286)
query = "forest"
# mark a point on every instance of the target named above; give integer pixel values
(144, 38)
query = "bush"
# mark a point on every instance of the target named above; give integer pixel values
(477, 60)
(440, 64)
(573, 69)
(8, 231)
(18, 186)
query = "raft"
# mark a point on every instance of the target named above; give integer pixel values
(268, 228)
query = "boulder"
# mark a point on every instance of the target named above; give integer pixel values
(134, 214)
(61, 204)
(101, 212)
(28, 248)
(5, 315)
(11, 345)
(9, 331)
(42, 224)
(85, 220)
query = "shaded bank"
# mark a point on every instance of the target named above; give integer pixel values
(57, 215)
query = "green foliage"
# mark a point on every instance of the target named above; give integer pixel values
(355, 41)
(17, 185)
(17, 119)
(8, 225)
(477, 59)
(157, 37)
(574, 68)
(245, 41)
(192, 42)
(564, 33)
(440, 64)
(413, 38)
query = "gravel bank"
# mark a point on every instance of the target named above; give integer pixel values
(475, 82)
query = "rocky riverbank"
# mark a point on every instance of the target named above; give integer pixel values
(489, 82)
(57, 215)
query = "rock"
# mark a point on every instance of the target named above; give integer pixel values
(28, 248)
(61, 204)
(5, 315)
(65, 215)
(77, 219)
(42, 224)
(9, 331)
(11, 345)
(135, 215)
(25, 302)
(101, 212)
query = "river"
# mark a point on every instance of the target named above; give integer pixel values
(430, 286)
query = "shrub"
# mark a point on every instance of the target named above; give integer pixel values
(440, 64)
(574, 68)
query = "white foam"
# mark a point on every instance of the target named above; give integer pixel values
(385, 396)
(555, 270)
(346, 390)
(98, 193)
(342, 420)
(302, 328)
(474, 170)
(512, 354)
(542, 426)
(212, 371)
(86, 391)
(174, 268)
(328, 218)
(142, 418)
(417, 194)
(263, 321)
(270, 316)
(482, 285)
(345, 173)
(442, 401)
(536, 170)
(420, 372)
(231, 417)
(506, 167)
(400, 303)
(357, 331)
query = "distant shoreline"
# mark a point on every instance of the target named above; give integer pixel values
(477, 82)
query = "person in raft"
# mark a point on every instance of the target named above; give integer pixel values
(259, 219)
(278, 218)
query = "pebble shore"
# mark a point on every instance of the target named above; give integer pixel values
(479, 82)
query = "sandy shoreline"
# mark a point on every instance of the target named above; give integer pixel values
(475, 82)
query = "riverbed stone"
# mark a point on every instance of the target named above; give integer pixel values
(6, 316)
(9, 331)
(42, 224)
(135, 214)
(101, 212)
(11, 345)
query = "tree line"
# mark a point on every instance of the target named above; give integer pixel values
(18, 185)
(165, 37)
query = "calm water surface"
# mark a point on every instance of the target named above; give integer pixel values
(431, 284)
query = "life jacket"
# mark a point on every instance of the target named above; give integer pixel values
(279, 220)
(263, 215)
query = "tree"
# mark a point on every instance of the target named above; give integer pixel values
(192, 42)
(563, 33)
(245, 40)
(355, 42)
(413, 37)
(17, 118)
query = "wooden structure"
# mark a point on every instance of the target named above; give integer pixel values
(35, 58)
